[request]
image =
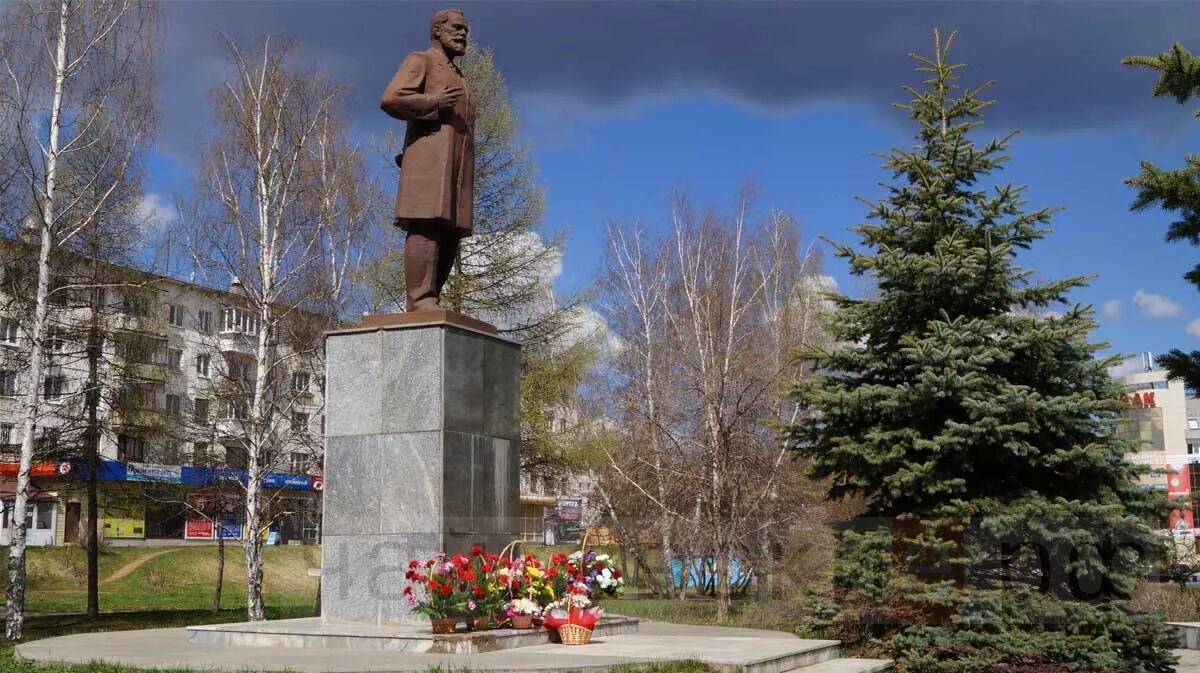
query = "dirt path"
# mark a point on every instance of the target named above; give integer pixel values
(133, 565)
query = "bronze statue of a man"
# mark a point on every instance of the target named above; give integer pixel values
(435, 199)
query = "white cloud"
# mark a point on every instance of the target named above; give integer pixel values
(1111, 309)
(592, 326)
(1130, 365)
(1193, 328)
(1156, 305)
(155, 213)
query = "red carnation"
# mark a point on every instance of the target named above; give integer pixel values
(467, 576)
(552, 573)
(476, 550)
(412, 565)
(434, 585)
(407, 591)
(579, 577)
(488, 567)
(599, 565)
(477, 590)
(446, 591)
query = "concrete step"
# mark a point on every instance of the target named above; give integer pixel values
(847, 665)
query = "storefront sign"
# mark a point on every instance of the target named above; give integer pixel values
(125, 518)
(198, 529)
(170, 474)
(1139, 400)
(292, 481)
(568, 509)
(231, 530)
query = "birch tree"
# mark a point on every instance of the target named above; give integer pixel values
(706, 315)
(76, 82)
(276, 210)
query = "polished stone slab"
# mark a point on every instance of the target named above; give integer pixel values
(422, 454)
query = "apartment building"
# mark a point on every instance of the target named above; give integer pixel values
(174, 365)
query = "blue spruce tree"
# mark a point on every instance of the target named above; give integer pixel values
(1003, 529)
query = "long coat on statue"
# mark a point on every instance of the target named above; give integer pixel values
(437, 166)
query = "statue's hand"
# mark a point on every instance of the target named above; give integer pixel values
(449, 97)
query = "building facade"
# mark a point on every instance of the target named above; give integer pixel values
(158, 374)
(1165, 424)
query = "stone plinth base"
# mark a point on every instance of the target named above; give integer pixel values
(318, 634)
(421, 455)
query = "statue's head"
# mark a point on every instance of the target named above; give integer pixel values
(449, 28)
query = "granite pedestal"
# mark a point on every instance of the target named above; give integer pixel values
(421, 455)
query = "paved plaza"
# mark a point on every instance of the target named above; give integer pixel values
(726, 649)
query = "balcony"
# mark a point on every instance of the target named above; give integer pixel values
(237, 343)
(143, 324)
(148, 372)
(140, 418)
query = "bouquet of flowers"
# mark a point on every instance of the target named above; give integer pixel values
(436, 586)
(588, 573)
(524, 606)
(487, 593)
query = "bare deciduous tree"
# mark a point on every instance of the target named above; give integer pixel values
(706, 316)
(76, 83)
(282, 207)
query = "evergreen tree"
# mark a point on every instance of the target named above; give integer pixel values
(1176, 191)
(1002, 526)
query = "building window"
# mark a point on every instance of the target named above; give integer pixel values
(8, 439)
(237, 411)
(300, 422)
(175, 315)
(239, 321)
(236, 457)
(202, 364)
(8, 331)
(8, 383)
(1192, 449)
(200, 454)
(300, 382)
(204, 322)
(299, 462)
(200, 406)
(56, 292)
(54, 387)
(130, 448)
(174, 405)
(138, 304)
(54, 339)
(175, 358)
(239, 370)
(170, 454)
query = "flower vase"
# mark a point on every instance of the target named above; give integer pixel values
(480, 623)
(443, 625)
(522, 621)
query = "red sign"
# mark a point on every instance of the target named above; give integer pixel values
(37, 470)
(1139, 400)
(1178, 482)
(198, 529)
(318, 483)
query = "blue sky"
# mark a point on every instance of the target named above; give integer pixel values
(624, 103)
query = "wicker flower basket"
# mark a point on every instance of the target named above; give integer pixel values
(574, 634)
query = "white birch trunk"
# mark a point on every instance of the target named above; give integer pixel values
(15, 595)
